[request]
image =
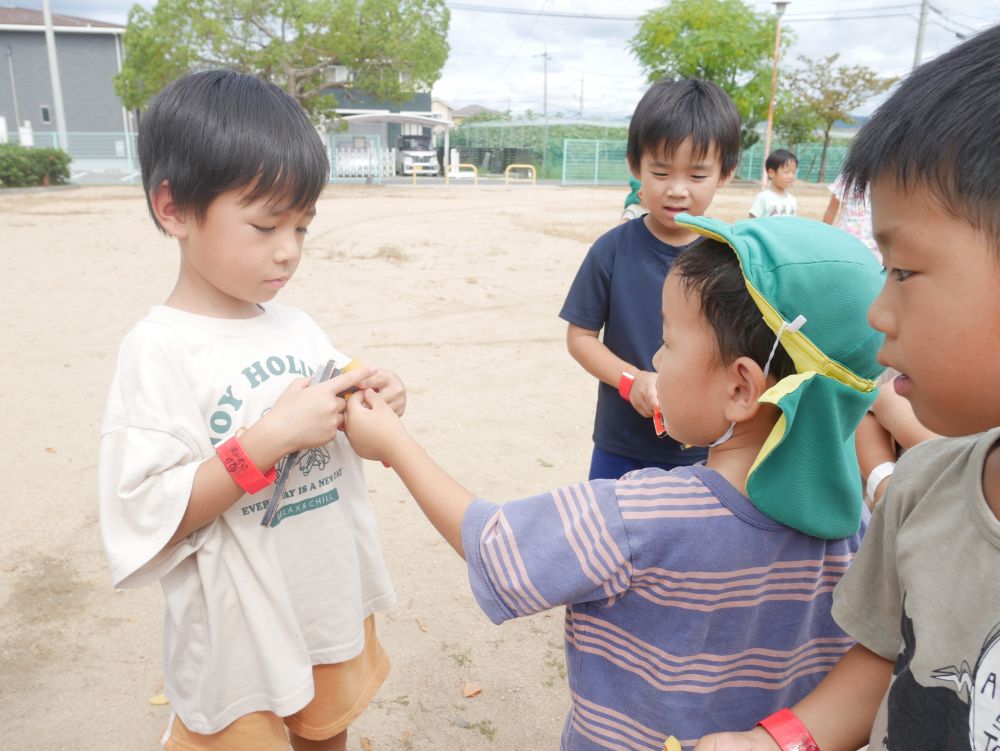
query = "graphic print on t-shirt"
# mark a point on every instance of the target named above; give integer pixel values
(312, 486)
(965, 715)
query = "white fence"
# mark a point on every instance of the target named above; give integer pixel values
(112, 158)
(369, 163)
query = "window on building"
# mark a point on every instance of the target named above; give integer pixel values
(46, 117)
(411, 129)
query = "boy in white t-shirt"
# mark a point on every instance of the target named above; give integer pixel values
(782, 166)
(269, 634)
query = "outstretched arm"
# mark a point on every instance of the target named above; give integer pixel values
(375, 432)
(839, 712)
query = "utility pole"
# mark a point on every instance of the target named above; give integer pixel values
(918, 53)
(13, 88)
(57, 98)
(545, 83)
(779, 6)
(545, 106)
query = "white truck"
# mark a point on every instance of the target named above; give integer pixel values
(416, 151)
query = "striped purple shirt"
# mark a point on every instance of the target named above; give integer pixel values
(689, 611)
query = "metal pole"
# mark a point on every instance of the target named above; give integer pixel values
(919, 51)
(545, 105)
(447, 155)
(57, 98)
(779, 6)
(128, 130)
(13, 89)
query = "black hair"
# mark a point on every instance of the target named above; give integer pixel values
(712, 270)
(672, 111)
(779, 158)
(215, 131)
(940, 130)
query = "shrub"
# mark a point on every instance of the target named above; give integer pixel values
(21, 167)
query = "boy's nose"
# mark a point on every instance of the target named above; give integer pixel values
(677, 188)
(879, 316)
(287, 250)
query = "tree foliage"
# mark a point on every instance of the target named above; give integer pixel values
(392, 48)
(795, 123)
(831, 92)
(723, 41)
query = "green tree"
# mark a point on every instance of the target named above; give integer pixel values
(831, 92)
(723, 41)
(391, 48)
(795, 122)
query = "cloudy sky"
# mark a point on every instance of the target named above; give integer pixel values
(498, 47)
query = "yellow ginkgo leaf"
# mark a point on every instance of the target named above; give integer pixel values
(671, 744)
(159, 699)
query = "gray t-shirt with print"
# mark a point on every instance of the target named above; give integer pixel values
(924, 591)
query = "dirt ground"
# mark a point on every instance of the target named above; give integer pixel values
(457, 289)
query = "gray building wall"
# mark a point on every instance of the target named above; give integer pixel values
(87, 63)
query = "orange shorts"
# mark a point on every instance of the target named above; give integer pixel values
(343, 690)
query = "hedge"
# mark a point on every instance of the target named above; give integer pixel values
(21, 167)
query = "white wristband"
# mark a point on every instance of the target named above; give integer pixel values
(876, 477)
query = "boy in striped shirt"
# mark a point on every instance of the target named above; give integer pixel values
(698, 597)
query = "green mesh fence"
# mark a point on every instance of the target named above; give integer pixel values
(602, 162)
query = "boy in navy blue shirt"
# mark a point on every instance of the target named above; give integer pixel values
(683, 144)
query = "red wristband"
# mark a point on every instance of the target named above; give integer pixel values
(241, 467)
(788, 731)
(625, 385)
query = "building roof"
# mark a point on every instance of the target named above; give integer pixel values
(29, 17)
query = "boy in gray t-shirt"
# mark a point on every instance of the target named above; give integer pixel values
(923, 596)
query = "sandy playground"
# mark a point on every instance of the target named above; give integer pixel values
(458, 289)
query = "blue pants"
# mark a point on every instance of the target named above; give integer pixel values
(605, 466)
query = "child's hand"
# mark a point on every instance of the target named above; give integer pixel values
(753, 740)
(390, 387)
(306, 416)
(643, 395)
(895, 414)
(373, 429)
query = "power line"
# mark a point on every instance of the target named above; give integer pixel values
(859, 13)
(516, 53)
(795, 19)
(549, 13)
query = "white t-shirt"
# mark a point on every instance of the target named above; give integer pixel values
(769, 203)
(249, 609)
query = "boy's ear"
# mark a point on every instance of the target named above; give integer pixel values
(170, 217)
(633, 168)
(746, 384)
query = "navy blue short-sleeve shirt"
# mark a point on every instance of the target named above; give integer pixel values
(618, 288)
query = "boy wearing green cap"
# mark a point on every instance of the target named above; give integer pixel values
(922, 599)
(701, 592)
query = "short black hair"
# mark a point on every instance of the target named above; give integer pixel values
(779, 158)
(712, 270)
(939, 130)
(215, 131)
(672, 111)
